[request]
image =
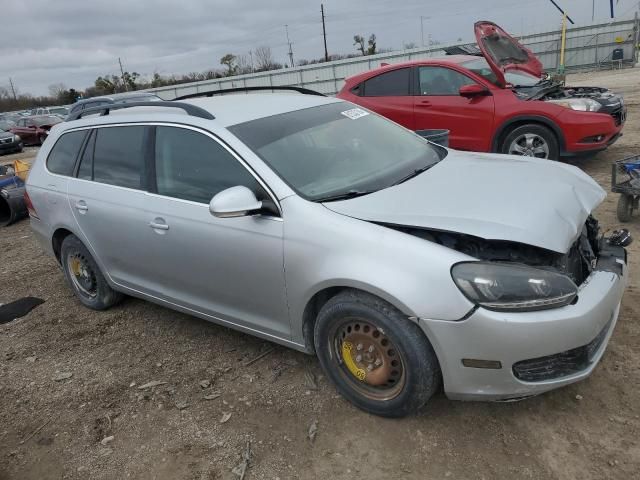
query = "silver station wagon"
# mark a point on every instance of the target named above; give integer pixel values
(316, 224)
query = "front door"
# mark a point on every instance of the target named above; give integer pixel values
(438, 105)
(229, 268)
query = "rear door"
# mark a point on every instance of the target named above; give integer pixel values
(107, 199)
(389, 95)
(438, 105)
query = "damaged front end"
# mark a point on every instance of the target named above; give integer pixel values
(591, 251)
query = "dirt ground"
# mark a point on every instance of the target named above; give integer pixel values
(99, 423)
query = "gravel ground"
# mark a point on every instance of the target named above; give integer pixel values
(73, 405)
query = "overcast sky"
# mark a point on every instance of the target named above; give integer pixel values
(75, 41)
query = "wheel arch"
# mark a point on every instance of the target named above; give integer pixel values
(56, 241)
(315, 303)
(515, 122)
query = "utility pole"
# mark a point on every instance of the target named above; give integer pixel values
(286, 27)
(13, 90)
(122, 75)
(593, 10)
(251, 56)
(324, 34)
(422, 18)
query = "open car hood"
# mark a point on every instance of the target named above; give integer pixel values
(504, 53)
(494, 197)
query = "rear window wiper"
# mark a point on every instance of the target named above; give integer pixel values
(413, 174)
(344, 195)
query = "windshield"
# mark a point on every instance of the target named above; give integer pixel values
(6, 125)
(517, 79)
(62, 110)
(49, 120)
(337, 149)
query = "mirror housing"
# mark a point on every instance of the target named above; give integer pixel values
(233, 202)
(473, 90)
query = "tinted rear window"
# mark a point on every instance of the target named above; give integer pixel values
(119, 156)
(63, 155)
(394, 83)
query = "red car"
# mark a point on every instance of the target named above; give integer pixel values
(497, 102)
(34, 130)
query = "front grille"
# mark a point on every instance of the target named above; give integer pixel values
(6, 140)
(561, 364)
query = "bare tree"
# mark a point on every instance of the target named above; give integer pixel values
(230, 61)
(57, 89)
(243, 64)
(372, 44)
(264, 58)
(358, 41)
(409, 45)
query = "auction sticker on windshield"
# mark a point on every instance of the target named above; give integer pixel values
(355, 113)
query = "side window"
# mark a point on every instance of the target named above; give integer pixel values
(441, 81)
(20, 123)
(118, 157)
(63, 155)
(85, 170)
(393, 83)
(192, 166)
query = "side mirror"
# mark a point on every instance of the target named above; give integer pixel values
(473, 90)
(234, 202)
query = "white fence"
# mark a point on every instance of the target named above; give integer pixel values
(587, 47)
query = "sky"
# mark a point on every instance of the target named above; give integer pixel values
(47, 42)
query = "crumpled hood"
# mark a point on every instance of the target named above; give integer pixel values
(495, 197)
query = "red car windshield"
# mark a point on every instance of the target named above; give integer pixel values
(517, 79)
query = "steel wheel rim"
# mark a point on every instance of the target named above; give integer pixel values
(529, 145)
(82, 275)
(367, 359)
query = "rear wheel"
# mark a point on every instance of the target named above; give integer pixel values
(84, 276)
(625, 207)
(376, 357)
(531, 140)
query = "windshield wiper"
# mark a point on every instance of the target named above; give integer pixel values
(413, 174)
(345, 195)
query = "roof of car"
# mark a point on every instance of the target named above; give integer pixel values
(457, 59)
(238, 108)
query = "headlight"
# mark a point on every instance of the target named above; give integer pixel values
(581, 104)
(16, 138)
(501, 286)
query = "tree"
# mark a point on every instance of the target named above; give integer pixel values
(372, 44)
(409, 46)
(243, 65)
(358, 41)
(229, 60)
(57, 89)
(264, 59)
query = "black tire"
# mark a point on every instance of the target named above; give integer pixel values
(419, 376)
(625, 207)
(534, 130)
(88, 283)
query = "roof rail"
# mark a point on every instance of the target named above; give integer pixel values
(192, 110)
(211, 93)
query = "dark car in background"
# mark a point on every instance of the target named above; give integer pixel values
(116, 98)
(34, 130)
(9, 141)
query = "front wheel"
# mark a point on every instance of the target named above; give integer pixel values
(377, 358)
(531, 140)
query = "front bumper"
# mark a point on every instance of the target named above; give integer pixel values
(586, 132)
(9, 147)
(513, 337)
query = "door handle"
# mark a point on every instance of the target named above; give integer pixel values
(81, 206)
(424, 104)
(157, 225)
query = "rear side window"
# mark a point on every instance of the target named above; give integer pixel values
(393, 83)
(192, 166)
(63, 155)
(118, 157)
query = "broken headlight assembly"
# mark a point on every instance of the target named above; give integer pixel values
(580, 104)
(513, 287)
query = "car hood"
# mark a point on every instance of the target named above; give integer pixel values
(495, 197)
(504, 53)
(4, 134)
